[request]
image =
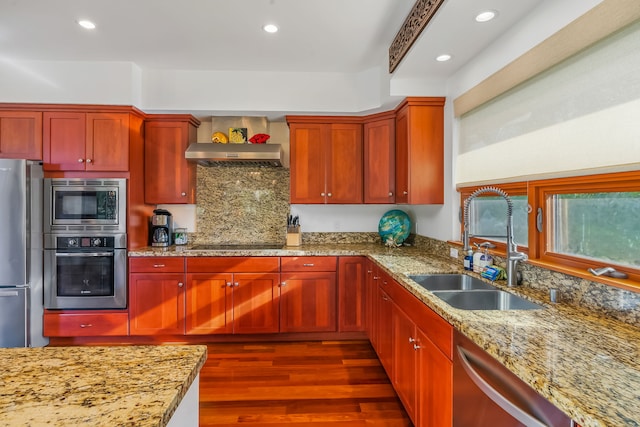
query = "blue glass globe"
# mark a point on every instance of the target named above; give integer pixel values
(396, 225)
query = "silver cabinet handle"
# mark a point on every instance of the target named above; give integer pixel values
(180, 284)
(236, 284)
(308, 265)
(228, 284)
(158, 265)
(416, 347)
(88, 160)
(86, 325)
(411, 339)
(322, 194)
(183, 194)
(80, 160)
(390, 193)
(494, 395)
(405, 193)
(283, 284)
(329, 194)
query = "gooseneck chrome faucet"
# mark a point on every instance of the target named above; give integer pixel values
(513, 256)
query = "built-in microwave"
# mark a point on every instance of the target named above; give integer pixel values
(81, 204)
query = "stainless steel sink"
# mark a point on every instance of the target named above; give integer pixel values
(449, 282)
(486, 300)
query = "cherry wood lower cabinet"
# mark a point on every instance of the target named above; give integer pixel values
(383, 325)
(351, 289)
(422, 367)
(84, 323)
(238, 303)
(308, 294)
(156, 296)
(238, 295)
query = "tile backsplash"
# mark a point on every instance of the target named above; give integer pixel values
(241, 205)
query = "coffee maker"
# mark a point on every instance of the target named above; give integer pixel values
(161, 228)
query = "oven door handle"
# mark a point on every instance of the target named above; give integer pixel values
(83, 254)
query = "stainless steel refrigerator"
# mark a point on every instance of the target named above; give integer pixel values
(21, 293)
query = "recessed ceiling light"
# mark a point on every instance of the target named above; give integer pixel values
(486, 15)
(86, 24)
(270, 28)
(443, 58)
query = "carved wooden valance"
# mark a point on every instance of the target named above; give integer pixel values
(416, 21)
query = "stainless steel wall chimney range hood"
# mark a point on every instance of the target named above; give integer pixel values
(211, 154)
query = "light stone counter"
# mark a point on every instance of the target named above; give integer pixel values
(96, 386)
(587, 365)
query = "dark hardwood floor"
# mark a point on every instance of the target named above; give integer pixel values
(324, 383)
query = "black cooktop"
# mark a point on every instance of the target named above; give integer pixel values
(238, 247)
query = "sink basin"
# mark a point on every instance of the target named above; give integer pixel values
(449, 282)
(486, 300)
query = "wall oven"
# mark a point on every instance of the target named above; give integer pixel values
(85, 271)
(83, 204)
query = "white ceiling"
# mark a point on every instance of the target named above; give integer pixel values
(315, 35)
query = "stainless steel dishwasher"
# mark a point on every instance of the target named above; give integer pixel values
(485, 393)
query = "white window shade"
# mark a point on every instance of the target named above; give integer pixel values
(581, 116)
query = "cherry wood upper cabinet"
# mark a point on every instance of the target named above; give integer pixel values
(168, 177)
(420, 151)
(379, 159)
(326, 159)
(79, 141)
(21, 135)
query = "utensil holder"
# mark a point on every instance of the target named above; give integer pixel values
(294, 236)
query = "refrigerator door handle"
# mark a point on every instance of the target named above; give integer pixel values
(83, 254)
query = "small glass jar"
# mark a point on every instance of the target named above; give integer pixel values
(180, 236)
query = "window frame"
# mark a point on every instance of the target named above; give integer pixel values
(539, 195)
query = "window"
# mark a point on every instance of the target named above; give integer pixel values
(488, 215)
(572, 224)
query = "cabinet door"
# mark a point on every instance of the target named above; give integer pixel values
(156, 304)
(344, 164)
(420, 151)
(21, 135)
(379, 161)
(404, 360)
(64, 141)
(402, 156)
(308, 302)
(435, 376)
(351, 297)
(209, 303)
(168, 177)
(308, 165)
(255, 303)
(107, 142)
(384, 330)
(371, 291)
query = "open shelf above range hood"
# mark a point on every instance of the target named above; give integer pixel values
(212, 154)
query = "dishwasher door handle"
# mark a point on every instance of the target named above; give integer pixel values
(500, 400)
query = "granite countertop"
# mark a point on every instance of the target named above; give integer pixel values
(585, 364)
(96, 386)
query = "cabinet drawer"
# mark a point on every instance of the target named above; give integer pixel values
(309, 263)
(233, 264)
(156, 265)
(86, 324)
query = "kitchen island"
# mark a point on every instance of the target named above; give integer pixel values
(99, 386)
(584, 362)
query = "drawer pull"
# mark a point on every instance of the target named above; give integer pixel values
(86, 325)
(308, 265)
(180, 284)
(158, 265)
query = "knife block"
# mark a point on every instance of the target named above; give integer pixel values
(294, 236)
